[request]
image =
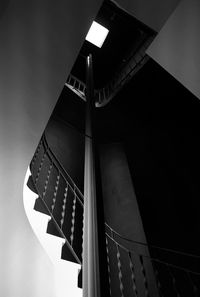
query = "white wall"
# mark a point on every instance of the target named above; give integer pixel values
(39, 41)
(177, 46)
(153, 13)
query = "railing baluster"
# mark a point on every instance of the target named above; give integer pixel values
(194, 287)
(169, 279)
(74, 82)
(55, 192)
(144, 276)
(173, 281)
(73, 219)
(159, 286)
(108, 264)
(40, 167)
(36, 153)
(73, 223)
(68, 79)
(119, 271)
(132, 274)
(47, 181)
(133, 63)
(64, 206)
(57, 205)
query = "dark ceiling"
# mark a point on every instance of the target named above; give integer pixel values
(125, 35)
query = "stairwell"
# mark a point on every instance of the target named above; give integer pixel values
(66, 273)
(58, 211)
(55, 210)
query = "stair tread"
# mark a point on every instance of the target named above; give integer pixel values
(67, 254)
(39, 206)
(52, 229)
(31, 185)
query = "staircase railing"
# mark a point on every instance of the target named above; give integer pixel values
(172, 279)
(61, 199)
(55, 160)
(133, 64)
(177, 274)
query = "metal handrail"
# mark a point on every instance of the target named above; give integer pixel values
(105, 94)
(151, 245)
(105, 98)
(151, 258)
(54, 160)
(61, 232)
(60, 167)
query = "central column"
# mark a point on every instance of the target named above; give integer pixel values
(91, 282)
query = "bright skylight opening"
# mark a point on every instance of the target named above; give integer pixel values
(97, 34)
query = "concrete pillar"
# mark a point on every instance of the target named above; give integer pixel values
(122, 213)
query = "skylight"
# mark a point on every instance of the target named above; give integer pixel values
(97, 34)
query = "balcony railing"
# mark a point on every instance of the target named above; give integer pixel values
(60, 198)
(126, 71)
(175, 274)
(172, 280)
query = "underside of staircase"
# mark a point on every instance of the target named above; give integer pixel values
(61, 200)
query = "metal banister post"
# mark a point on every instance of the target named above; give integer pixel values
(91, 275)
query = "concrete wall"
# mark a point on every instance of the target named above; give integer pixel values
(120, 205)
(177, 46)
(66, 136)
(39, 43)
(122, 213)
(69, 146)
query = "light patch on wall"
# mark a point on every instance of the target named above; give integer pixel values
(97, 34)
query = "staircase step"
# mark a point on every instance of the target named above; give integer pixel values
(80, 285)
(39, 206)
(67, 254)
(31, 184)
(52, 229)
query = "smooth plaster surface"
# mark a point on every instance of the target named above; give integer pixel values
(152, 13)
(177, 46)
(39, 41)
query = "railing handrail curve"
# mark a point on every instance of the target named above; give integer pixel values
(152, 245)
(54, 161)
(152, 258)
(118, 79)
(60, 167)
(61, 232)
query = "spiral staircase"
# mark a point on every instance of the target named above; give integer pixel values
(60, 199)
(133, 268)
(128, 275)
